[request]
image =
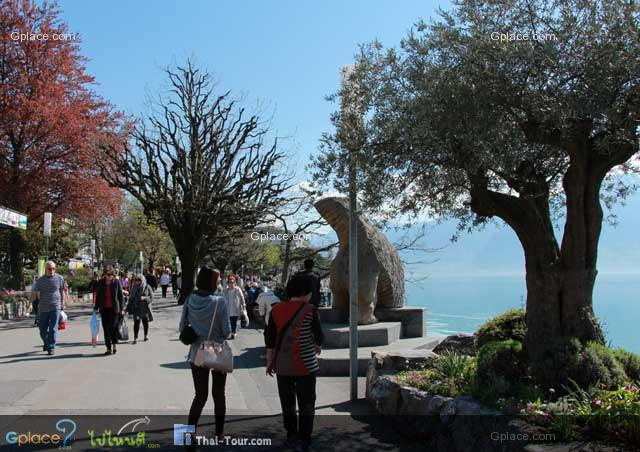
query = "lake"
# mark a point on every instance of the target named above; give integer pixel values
(457, 304)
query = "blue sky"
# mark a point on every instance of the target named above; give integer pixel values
(285, 54)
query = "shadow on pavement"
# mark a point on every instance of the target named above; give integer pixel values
(46, 357)
(176, 365)
(249, 358)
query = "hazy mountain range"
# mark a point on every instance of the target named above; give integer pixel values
(495, 249)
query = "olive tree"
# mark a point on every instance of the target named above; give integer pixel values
(534, 128)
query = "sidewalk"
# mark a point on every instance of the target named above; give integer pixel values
(147, 378)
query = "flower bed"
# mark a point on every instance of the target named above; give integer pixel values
(497, 378)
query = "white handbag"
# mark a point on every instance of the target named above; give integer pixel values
(214, 355)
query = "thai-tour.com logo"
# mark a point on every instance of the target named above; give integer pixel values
(185, 435)
(61, 438)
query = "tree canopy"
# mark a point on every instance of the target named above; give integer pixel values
(49, 120)
(201, 164)
(463, 122)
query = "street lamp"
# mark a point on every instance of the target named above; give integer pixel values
(141, 262)
(93, 252)
(351, 125)
(47, 234)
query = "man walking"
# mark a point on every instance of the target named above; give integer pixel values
(49, 289)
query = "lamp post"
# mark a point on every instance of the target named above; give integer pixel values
(351, 128)
(47, 234)
(141, 262)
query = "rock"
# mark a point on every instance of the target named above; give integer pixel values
(380, 271)
(384, 395)
(459, 343)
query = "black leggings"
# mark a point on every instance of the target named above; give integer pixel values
(201, 386)
(234, 323)
(164, 291)
(136, 327)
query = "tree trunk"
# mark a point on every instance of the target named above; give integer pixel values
(560, 292)
(286, 263)
(189, 270)
(560, 279)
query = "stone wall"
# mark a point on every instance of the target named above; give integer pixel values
(440, 423)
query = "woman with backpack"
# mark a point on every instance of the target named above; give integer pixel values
(206, 314)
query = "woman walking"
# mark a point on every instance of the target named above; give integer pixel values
(139, 306)
(110, 303)
(204, 312)
(293, 338)
(165, 280)
(235, 303)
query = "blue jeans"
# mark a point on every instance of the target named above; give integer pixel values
(48, 323)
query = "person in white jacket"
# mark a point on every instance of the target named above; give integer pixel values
(235, 303)
(265, 300)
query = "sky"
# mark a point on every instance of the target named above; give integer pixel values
(284, 54)
(287, 56)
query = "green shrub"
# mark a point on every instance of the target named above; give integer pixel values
(630, 362)
(501, 364)
(80, 281)
(595, 365)
(447, 375)
(510, 325)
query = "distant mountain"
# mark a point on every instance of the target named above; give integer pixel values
(496, 250)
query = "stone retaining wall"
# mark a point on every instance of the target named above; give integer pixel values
(9, 311)
(440, 423)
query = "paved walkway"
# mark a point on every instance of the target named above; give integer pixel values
(149, 377)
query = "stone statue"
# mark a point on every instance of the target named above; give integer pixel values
(380, 272)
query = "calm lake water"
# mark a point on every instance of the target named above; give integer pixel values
(463, 304)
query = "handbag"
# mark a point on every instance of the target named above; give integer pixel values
(188, 335)
(213, 355)
(244, 318)
(123, 330)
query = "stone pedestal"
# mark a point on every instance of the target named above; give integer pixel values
(412, 319)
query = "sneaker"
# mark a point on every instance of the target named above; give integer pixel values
(108, 352)
(51, 352)
(44, 348)
(135, 341)
(114, 350)
(146, 338)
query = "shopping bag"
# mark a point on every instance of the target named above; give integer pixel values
(62, 321)
(123, 330)
(95, 328)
